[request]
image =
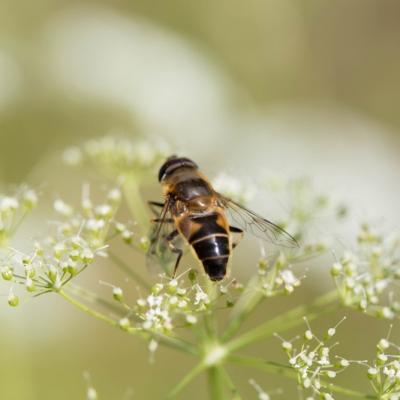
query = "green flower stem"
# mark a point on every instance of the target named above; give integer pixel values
(289, 372)
(215, 380)
(248, 301)
(131, 189)
(171, 342)
(168, 341)
(322, 305)
(186, 380)
(129, 271)
(93, 298)
(88, 310)
(16, 225)
(231, 386)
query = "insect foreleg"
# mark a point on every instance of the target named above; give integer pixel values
(233, 229)
(153, 204)
(174, 249)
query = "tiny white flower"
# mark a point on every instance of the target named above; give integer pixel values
(63, 208)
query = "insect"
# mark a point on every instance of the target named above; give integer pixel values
(195, 212)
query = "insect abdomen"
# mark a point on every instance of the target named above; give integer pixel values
(211, 244)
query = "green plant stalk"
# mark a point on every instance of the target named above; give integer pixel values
(168, 341)
(247, 302)
(131, 189)
(88, 310)
(210, 344)
(229, 383)
(92, 298)
(289, 372)
(129, 271)
(322, 305)
(215, 380)
(186, 380)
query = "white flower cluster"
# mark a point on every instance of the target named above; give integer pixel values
(277, 277)
(384, 373)
(313, 363)
(169, 304)
(364, 275)
(13, 209)
(117, 157)
(78, 237)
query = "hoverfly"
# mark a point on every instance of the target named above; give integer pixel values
(196, 213)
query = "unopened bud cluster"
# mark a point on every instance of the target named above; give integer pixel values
(365, 275)
(117, 157)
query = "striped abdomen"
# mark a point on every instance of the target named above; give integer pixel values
(210, 241)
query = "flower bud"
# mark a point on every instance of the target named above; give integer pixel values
(372, 373)
(13, 300)
(29, 199)
(127, 236)
(124, 323)
(308, 335)
(383, 344)
(118, 294)
(30, 285)
(7, 273)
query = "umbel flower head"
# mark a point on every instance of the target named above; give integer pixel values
(77, 237)
(120, 157)
(384, 372)
(365, 274)
(314, 362)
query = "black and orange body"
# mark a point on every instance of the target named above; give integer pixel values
(196, 212)
(197, 215)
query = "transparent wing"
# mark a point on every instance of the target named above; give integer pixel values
(159, 253)
(255, 224)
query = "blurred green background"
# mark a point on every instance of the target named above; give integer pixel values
(286, 86)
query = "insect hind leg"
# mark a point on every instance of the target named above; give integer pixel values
(170, 238)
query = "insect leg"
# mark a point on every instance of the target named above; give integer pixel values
(233, 229)
(174, 249)
(153, 204)
(165, 220)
